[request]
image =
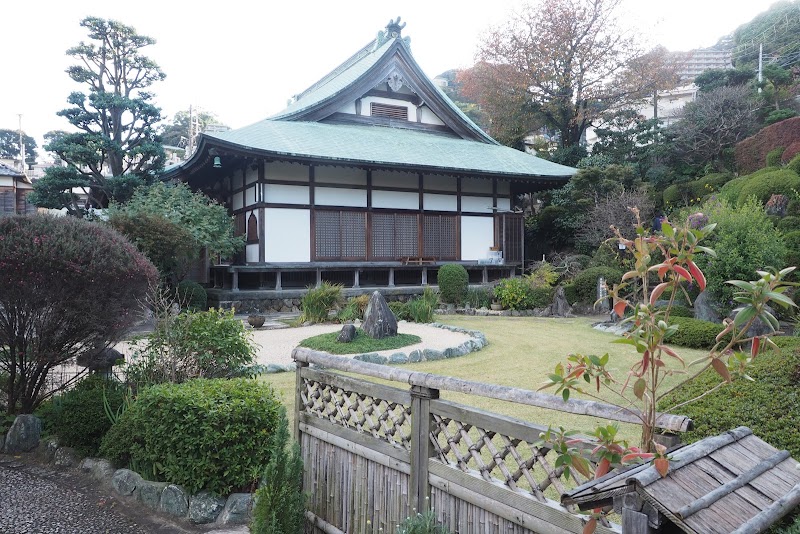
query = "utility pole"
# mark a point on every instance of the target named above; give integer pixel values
(21, 145)
(760, 64)
(190, 147)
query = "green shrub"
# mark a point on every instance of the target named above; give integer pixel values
(586, 282)
(354, 309)
(690, 192)
(570, 293)
(420, 310)
(78, 417)
(789, 223)
(770, 405)
(774, 156)
(792, 240)
(422, 524)
(681, 311)
(778, 115)
(202, 434)
(192, 295)
(694, 333)
(280, 501)
(400, 310)
(478, 297)
(209, 344)
(731, 190)
(744, 241)
(318, 302)
(794, 164)
(453, 282)
(514, 294)
(541, 297)
(763, 186)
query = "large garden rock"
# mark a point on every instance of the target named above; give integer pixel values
(100, 361)
(149, 493)
(347, 334)
(205, 507)
(24, 434)
(237, 509)
(560, 307)
(125, 481)
(174, 501)
(704, 309)
(379, 321)
(66, 457)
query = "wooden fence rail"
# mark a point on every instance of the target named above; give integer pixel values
(375, 454)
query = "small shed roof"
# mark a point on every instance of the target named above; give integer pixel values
(734, 482)
(5, 170)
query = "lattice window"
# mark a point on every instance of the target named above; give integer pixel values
(496, 457)
(377, 109)
(340, 234)
(382, 419)
(511, 232)
(394, 235)
(440, 237)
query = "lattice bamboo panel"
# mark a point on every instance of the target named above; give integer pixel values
(440, 237)
(496, 457)
(382, 419)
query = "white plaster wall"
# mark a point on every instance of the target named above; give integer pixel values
(400, 200)
(395, 179)
(237, 201)
(476, 204)
(288, 235)
(252, 175)
(439, 182)
(237, 180)
(251, 253)
(286, 194)
(503, 188)
(429, 117)
(250, 195)
(286, 171)
(349, 108)
(477, 236)
(504, 204)
(335, 196)
(340, 175)
(476, 185)
(6, 181)
(436, 202)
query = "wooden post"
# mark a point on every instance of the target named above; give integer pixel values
(298, 399)
(635, 522)
(485, 277)
(421, 449)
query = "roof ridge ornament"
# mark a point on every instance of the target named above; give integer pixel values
(393, 30)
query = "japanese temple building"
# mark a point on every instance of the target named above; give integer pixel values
(371, 177)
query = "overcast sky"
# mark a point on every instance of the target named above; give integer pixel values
(243, 59)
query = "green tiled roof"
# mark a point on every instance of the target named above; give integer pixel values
(390, 146)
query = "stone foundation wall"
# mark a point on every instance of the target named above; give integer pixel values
(252, 303)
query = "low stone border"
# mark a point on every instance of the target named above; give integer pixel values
(476, 343)
(483, 312)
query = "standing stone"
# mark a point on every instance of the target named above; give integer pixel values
(379, 321)
(149, 493)
(237, 509)
(205, 507)
(560, 307)
(704, 310)
(66, 457)
(347, 334)
(174, 501)
(125, 481)
(24, 434)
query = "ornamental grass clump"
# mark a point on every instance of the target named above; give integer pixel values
(319, 302)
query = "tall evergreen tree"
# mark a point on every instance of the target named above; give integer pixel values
(116, 147)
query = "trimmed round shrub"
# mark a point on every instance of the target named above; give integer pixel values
(731, 190)
(686, 193)
(789, 223)
(67, 287)
(570, 293)
(78, 416)
(763, 186)
(681, 311)
(774, 156)
(770, 405)
(794, 164)
(694, 333)
(192, 295)
(202, 434)
(541, 297)
(453, 283)
(586, 282)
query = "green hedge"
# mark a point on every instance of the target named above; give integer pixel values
(792, 240)
(763, 186)
(586, 282)
(202, 434)
(770, 405)
(453, 281)
(694, 333)
(684, 193)
(192, 295)
(518, 294)
(790, 223)
(77, 416)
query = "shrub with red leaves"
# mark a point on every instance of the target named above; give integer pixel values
(751, 154)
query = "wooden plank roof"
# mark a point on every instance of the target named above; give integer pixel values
(734, 482)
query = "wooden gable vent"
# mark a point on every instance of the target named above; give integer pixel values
(390, 112)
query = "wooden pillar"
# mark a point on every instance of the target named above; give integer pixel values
(421, 448)
(235, 281)
(298, 399)
(391, 277)
(278, 281)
